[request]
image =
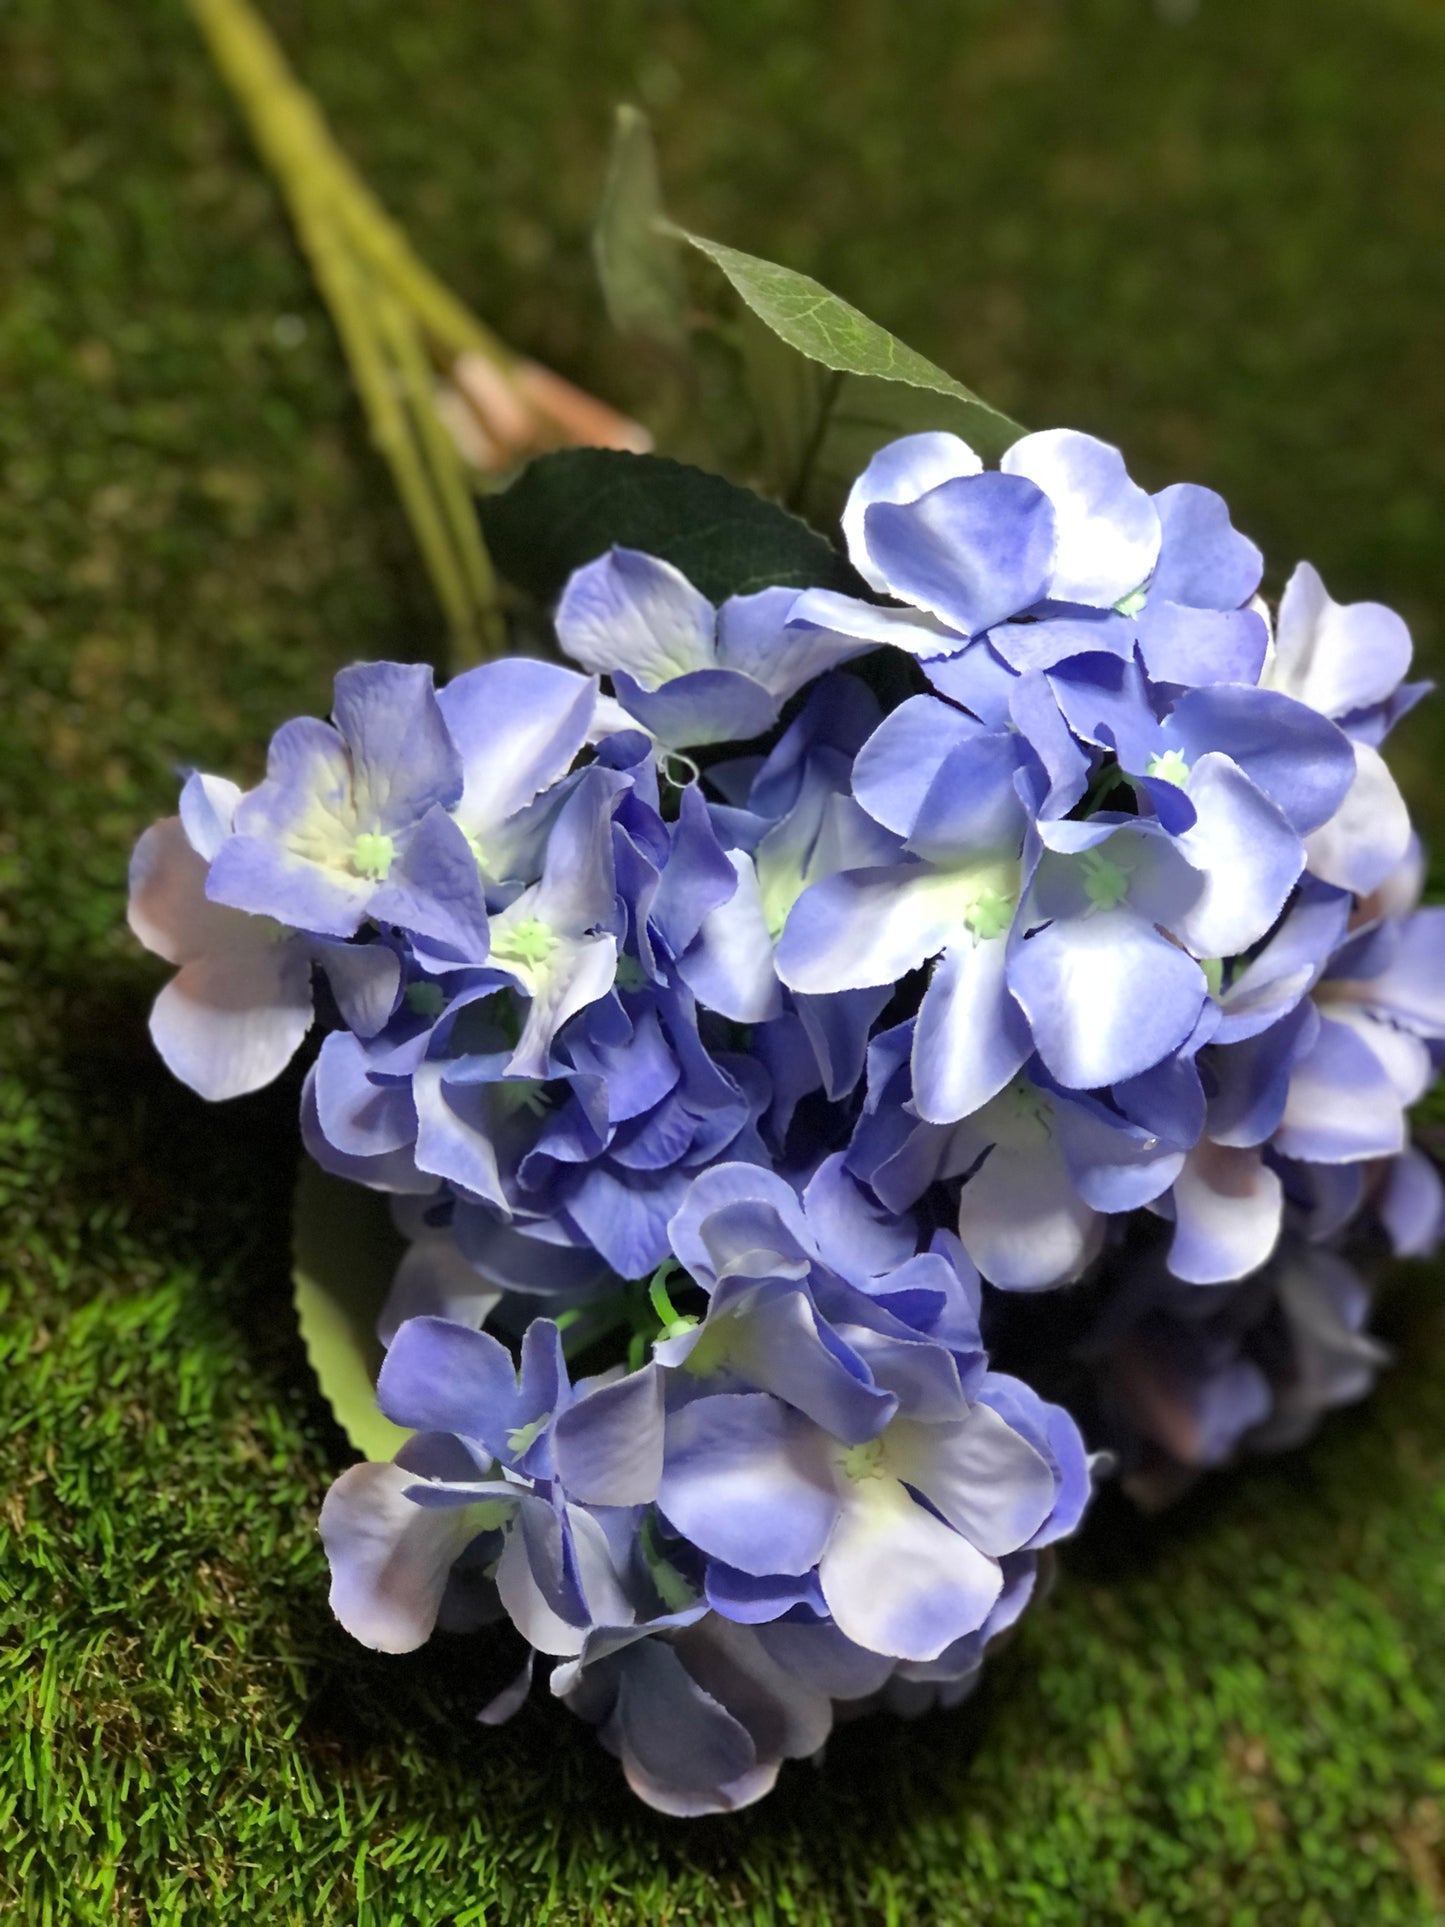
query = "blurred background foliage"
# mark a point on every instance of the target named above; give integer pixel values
(1211, 233)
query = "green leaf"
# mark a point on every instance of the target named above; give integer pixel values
(827, 329)
(846, 387)
(567, 508)
(344, 1252)
(636, 256)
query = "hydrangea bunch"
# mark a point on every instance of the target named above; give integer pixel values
(737, 1046)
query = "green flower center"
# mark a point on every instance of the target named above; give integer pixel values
(989, 914)
(1033, 1113)
(864, 1461)
(528, 942)
(1106, 884)
(1169, 768)
(372, 855)
(525, 1436)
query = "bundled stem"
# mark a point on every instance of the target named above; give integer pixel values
(394, 317)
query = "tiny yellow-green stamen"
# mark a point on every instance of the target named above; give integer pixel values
(1169, 768)
(528, 942)
(864, 1461)
(1106, 884)
(372, 855)
(989, 914)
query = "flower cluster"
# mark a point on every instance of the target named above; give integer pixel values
(746, 1041)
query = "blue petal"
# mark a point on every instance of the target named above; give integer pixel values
(675, 1738)
(365, 980)
(625, 1215)
(972, 805)
(1106, 997)
(1251, 1078)
(628, 611)
(1108, 529)
(756, 638)
(1020, 1215)
(402, 757)
(517, 725)
(971, 552)
(749, 1482)
(736, 1195)
(895, 767)
(1247, 854)
(1299, 760)
(443, 1377)
(971, 1037)
(434, 891)
(1204, 562)
(1106, 701)
(1368, 837)
(1117, 1165)
(873, 623)
(1227, 1212)
(265, 878)
(753, 1602)
(869, 927)
(1342, 1106)
(389, 1557)
(985, 1478)
(901, 471)
(208, 809)
(1057, 639)
(771, 1339)
(900, 1581)
(230, 1023)
(359, 1116)
(696, 879)
(979, 679)
(700, 707)
(1035, 714)
(1337, 657)
(1199, 647)
(608, 1443)
(855, 1235)
(837, 1030)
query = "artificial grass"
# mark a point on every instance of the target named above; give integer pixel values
(1217, 240)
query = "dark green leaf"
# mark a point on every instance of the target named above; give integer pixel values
(636, 255)
(567, 508)
(344, 1251)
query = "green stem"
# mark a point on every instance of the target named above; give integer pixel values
(387, 306)
(366, 350)
(657, 1292)
(451, 497)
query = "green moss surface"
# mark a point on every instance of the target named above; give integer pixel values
(1219, 240)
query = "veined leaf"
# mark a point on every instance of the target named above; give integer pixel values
(825, 386)
(344, 1251)
(828, 329)
(830, 387)
(567, 508)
